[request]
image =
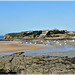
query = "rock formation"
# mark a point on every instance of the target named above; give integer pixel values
(18, 63)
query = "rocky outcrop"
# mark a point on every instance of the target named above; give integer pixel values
(18, 63)
(57, 34)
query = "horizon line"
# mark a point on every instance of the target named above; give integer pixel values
(37, 0)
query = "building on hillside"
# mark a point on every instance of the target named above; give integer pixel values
(43, 34)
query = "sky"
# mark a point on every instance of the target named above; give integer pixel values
(19, 16)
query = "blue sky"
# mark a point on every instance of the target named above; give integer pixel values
(17, 16)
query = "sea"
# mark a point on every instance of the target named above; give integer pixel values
(1, 37)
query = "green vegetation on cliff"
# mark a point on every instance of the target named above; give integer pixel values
(44, 33)
(71, 35)
(33, 33)
(53, 32)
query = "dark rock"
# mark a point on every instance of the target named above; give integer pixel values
(18, 63)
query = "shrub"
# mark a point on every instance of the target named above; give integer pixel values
(35, 33)
(53, 32)
(27, 34)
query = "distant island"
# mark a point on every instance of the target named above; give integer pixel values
(44, 34)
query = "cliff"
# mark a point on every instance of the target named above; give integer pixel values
(41, 34)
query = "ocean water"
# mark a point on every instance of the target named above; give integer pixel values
(1, 37)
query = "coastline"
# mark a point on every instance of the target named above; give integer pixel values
(9, 46)
(20, 63)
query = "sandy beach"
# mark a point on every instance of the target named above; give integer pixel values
(9, 46)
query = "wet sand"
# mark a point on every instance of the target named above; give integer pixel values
(64, 53)
(9, 46)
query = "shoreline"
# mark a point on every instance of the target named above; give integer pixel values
(9, 46)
